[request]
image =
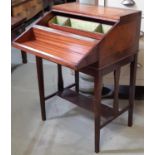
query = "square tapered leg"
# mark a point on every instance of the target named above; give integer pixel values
(60, 78)
(24, 57)
(97, 104)
(39, 65)
(133, 69)
(77, 81)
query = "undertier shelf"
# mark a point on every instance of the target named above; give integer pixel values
(84, 102)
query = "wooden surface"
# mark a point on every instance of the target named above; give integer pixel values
(26, 8)
(92, 11)
(16, 21)
(96, 57)
(60, 47)
(18, 2)
(85, 102)
(122, 41)
(77, 48)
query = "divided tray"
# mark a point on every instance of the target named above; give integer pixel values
(78, 26)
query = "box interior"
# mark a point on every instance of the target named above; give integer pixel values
(80, 24)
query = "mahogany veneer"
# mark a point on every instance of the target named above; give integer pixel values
(92, 11)
(60, 47)
(87, 51)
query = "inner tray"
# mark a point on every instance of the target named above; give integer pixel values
(57, 46)
(78, 26)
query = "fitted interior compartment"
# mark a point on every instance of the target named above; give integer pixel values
(59, 20)
(83, 26)
(103, 28)
(79, 24)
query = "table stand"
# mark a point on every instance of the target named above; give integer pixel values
(93, 104)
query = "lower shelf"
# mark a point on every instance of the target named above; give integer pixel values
(85, 102)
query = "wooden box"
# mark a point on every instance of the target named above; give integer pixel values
(26, 9)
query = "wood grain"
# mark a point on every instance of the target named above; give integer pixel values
(66, 50)
(99, 12)
(121, 41)
(96, 56)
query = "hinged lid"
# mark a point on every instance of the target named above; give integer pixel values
(92, 11)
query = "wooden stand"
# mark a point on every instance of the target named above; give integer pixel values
(89, 39)
(94, 104)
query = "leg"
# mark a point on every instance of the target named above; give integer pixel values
(116, 90)
(77, 81)
(97, 100)
(41, 86)
(133, 68)
(24, 57)
(60, 78)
